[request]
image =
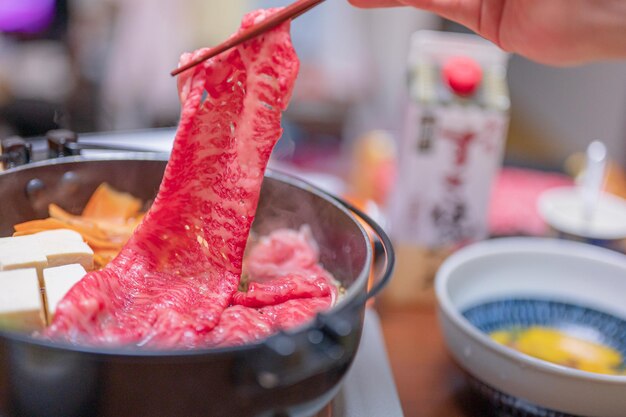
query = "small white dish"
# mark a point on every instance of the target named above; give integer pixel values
(537, 269)
(564, 210)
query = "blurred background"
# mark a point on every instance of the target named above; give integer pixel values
(436, 167)
(102, 65)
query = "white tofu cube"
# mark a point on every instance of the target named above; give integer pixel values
(65, 252)
(45, 249)
(23, 255)
(58, 281)
(21, 305)
(48, 235)
(56, 235)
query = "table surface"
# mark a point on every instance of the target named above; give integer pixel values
(428, 382)
(360, 394)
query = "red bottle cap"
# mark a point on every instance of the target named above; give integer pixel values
(462, 74)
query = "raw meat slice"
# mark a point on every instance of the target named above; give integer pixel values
(295, 312)
(283, 289)
(297, 292)
(171, 283)
(283, 251)
(239, 324)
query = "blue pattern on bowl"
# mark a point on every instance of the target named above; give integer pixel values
(589, 323)
(576, 320)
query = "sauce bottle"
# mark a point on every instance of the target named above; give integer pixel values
(451, 149)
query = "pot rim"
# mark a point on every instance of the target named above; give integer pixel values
(354, 295)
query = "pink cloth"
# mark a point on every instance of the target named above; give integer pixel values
(513, 206)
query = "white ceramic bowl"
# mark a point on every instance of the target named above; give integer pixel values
(533, 268)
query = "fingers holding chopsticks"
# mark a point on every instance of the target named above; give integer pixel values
(466, 12)
(556, 32)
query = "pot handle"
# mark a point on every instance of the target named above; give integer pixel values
(390, 258)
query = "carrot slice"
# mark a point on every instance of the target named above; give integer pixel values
(44, 224)
(107, 203)
(83, 228)
(28, 232)
(93, 236)
(102, 228)
(111, 218)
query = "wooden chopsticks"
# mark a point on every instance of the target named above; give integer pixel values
(290, 12)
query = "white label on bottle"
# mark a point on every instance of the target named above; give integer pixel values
(448, 160)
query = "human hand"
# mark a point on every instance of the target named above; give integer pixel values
(557, 32)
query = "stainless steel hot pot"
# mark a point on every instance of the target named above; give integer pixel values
(292, 373)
